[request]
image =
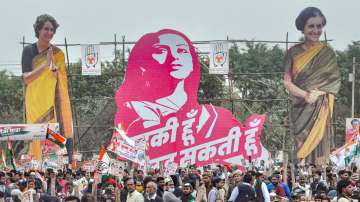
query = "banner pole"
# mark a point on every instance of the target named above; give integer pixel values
(353, 88)
(123, 52)
(115, 52)
(146, 160)
(70, 142)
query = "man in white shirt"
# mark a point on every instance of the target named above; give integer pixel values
(302, 188)
(151, 196)
(244, 192)
(133, 195)
(262, 193)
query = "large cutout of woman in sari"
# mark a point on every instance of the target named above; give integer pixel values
(44, 75)
(312, 78)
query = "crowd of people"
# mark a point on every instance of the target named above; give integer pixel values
(216, 184)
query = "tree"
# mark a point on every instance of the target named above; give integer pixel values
(11, 98)
(93, 103)
(258, 86)
(343, 99)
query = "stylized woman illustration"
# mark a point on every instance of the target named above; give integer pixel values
(165, 78)
(161, 82)
(44, 75)
(312, 78)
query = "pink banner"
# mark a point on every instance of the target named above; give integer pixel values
(157, 102)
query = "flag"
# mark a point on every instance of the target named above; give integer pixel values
(11, 155)
(126, 140)
(127, 148)
(219, 57)
(345, 155)
(3, 159)
(104, 162)
(55, 138)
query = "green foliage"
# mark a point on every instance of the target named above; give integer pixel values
(343, 99)
(11, 98)
(258, 86)
(211, 87)
(93, 103)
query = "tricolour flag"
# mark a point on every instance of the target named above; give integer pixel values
(10, 152)
(345, 155)
(55, 138)
(3, 160)
(104, 162)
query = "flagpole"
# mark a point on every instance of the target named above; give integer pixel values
(146, 160)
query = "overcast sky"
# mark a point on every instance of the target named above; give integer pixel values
(94, 21)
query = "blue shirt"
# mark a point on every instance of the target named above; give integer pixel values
(286, 188)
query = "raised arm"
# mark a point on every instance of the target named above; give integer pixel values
(30, 76)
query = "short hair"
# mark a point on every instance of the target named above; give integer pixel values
(87, 198)
(216, 180)
(307, 13)
(41, 20)
(354, 121)
(251, 172)
(160, 178)
(130, 180)
(318, 172)
(49, 170)
(247, 178)
(342, 184)
(341, 172)
(153, 184)
(302, 177)
(259, 173)
(277, 176)
(147, 179)
(72, 198)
